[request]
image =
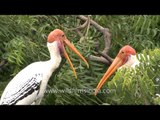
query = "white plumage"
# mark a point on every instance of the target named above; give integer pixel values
(131, 62)
(29, 85)
(126, 57)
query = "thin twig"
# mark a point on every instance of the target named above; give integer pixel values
(79, 33)
(107, 41)
(84, 25)
(81, 26)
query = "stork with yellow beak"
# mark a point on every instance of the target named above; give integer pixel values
(29, 85)
(125, 58)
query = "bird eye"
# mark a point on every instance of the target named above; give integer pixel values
(122, 52)
(63, 35)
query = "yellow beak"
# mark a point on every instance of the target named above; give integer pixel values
(71, 46)
(113, 67)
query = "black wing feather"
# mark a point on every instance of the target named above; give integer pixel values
(30, 86)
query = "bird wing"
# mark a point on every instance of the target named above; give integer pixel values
(24, 89)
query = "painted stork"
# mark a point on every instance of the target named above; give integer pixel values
(125, 58)
(29, 85)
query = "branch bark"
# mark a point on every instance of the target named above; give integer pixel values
(110, 60)
(107, 41)
(77, 29)
(99, 59)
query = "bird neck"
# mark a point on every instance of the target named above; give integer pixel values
(132, 61)
(55, 57)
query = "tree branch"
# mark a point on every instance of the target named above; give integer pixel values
(110, 60)
(107, 41)
(99, 59)
(82, 26)
(97, 26)
(77, 29)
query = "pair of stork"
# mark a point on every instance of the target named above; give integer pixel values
(29, 85)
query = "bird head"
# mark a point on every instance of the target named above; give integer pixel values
(59, 36)
(121, 58)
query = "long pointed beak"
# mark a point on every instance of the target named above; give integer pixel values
(113, 67)
(71, 46)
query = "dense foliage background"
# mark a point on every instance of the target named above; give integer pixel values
(23, 41)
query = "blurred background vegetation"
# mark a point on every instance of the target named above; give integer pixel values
(23, 41)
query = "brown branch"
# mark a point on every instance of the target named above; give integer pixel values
(105, 31)
(77, 29)
(99, 59)
(81, 26)
(97, 26)
(107, 41)
(79, 33)
(110, 60)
